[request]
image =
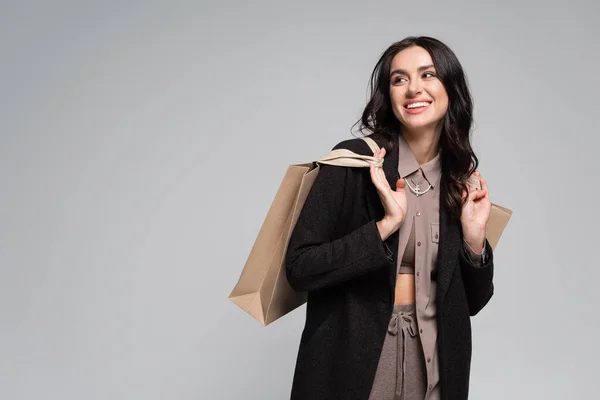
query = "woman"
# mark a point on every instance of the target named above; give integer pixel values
(393, 276)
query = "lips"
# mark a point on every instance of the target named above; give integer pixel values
(416, 102)
(417, 106)
(412, 101)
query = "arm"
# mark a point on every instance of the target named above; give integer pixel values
(477, 277)
(314, 259)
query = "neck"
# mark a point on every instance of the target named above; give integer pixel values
(424, 144)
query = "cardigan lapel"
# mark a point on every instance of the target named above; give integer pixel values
(448, 249)
(390, 168)
(390, 164)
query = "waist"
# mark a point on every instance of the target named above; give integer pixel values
(405, 289)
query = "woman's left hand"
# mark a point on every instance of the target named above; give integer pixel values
(475, 215)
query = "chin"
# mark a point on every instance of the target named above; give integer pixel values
(419, 126)
(411, 124)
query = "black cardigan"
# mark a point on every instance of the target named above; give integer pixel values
(336, 254)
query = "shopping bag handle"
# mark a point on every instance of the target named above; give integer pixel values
(372, 145)
(347, 158)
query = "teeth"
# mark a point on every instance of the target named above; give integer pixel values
(421, 104)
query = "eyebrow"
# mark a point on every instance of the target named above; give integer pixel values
(403, 72)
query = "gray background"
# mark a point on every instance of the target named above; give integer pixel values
(142, 143)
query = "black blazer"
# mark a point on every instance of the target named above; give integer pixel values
(336, 254)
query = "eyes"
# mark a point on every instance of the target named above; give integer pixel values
(401, 79)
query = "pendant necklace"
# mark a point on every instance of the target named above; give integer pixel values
(417, 189)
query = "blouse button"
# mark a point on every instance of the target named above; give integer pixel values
(418, 213)
(419, 243)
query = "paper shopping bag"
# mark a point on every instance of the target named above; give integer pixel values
(262, 289)
(263, 278)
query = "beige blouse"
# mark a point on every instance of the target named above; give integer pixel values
(423, 216)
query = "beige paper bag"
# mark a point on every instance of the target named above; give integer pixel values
(263, 290)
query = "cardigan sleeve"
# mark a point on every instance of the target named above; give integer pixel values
(314, 258)
(477, 278)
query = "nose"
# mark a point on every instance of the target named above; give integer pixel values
(414, 88)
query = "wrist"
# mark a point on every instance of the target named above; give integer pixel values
(475, 238)
(383, 229)
(387, 227)
(476, 245)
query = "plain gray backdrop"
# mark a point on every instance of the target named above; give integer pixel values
(143, 142)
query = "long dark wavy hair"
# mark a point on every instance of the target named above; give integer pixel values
(379, 122)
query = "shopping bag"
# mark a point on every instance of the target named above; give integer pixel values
(262, 289)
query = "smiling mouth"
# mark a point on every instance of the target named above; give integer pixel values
(418, 105)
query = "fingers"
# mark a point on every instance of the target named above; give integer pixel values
(378, 176)
(379, 153)
(373, 169)
(476, 194)
(484, 188)
(382, 180)
(467, 193)
(483, 184)
(472, 194)
(374, 176)
(375, 173)
(400, 184)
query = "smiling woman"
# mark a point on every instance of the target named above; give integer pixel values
(396, 261)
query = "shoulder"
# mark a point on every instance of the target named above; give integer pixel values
(333, 174)
(356, 145)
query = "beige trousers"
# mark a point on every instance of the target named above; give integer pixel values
(401, 372)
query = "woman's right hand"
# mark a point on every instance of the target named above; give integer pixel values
(394, 201)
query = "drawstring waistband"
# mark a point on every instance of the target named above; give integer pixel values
(402, 324)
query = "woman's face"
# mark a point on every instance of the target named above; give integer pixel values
(419, 99)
